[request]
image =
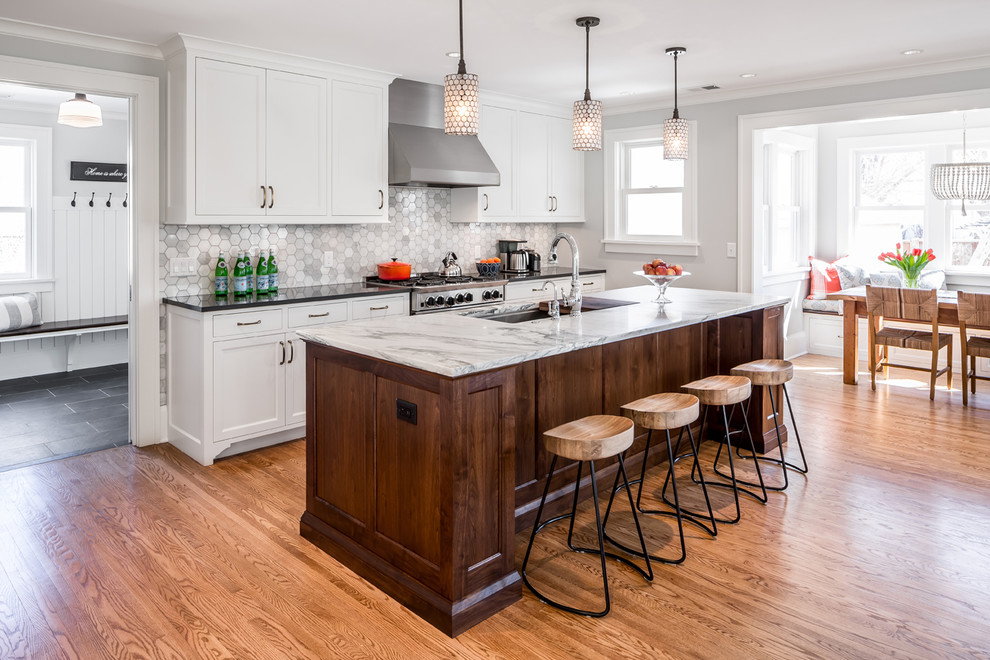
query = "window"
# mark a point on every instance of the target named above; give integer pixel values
(788, 197)
(650, 202)
(891, 199)
(25, 188)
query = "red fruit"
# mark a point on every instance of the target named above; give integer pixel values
(648, 269)
(658, 262)
(671, 271)
(678, 269)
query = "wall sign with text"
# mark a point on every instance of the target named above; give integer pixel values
(81, 171)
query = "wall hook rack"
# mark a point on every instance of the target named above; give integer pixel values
(73, 202)
(91, 200)
(109, 197)
(125, 199)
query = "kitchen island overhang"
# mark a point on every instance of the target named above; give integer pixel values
(423, 438)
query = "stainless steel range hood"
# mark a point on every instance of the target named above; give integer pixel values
(420, 153)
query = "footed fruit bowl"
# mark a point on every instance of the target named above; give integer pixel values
(661, 282)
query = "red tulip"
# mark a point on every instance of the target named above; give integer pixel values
(899, 257)
(916, 252)
(898, 246)
(931, 258)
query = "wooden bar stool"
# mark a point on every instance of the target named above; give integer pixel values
(771, 373)
(723, 392)
(586, 440)
(662, 412)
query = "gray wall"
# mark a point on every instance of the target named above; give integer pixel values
(718, 171)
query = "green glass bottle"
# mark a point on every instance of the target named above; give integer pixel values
(249, 267)
(272, 272)
(263, 274)
(220, 283)
(240, 276)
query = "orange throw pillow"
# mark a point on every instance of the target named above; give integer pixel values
(824, 278)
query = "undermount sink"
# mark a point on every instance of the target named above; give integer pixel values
(590, 304)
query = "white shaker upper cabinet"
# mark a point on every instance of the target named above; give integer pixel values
(358, 152)
(566, 173)
(260, 142)
(535, 200)
(230, 139)
(497, 132)
(297, 145)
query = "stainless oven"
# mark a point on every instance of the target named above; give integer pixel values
(431, 293)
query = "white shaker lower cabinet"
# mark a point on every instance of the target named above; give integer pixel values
(533, 291)
(237, 380)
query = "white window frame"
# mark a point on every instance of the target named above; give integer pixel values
(805, 150)
(615, 238)
(40, 201)
(938, 147)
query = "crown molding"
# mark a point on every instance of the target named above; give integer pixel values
(65, 37)
(615, 107)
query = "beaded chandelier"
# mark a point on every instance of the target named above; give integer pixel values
(675, 129)
(961, 181)
(460, 93)
(587, 113)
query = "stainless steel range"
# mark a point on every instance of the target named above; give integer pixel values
(431, 292)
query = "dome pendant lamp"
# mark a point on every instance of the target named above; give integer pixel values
(460, 93)
(675, 129)
(963, 180)
(587, 113)
(80, 112)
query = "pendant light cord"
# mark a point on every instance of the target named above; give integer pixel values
(587, 61)
(676, 114)
(461, 67)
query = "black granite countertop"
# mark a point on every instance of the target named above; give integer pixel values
(210, 303)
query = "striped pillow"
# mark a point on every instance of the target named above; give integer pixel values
(19, 311)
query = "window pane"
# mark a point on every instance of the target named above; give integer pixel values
(654, 214)
(12, 162)
(879, 231)
(648, 169)
(13, 243)
(892, 179)
(784, 238)
(971, 238)
(784, 184)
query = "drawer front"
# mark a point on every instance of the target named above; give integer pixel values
(246, 323)
(301, 316)
(592, 283)
(379, 307)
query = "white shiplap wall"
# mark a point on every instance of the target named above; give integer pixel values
(90, 273)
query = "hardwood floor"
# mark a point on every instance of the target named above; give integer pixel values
(883, 550)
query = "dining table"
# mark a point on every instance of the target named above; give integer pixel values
(854, 307)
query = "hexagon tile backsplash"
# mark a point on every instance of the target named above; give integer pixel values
(419, 232)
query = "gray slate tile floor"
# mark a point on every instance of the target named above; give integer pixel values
(57, 415)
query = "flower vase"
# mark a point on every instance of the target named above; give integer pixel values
(910, 282)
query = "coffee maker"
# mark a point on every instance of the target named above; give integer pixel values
(505, 249)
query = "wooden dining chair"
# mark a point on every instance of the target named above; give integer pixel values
(974, 309)
(914, 306)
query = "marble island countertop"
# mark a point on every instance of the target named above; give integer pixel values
(456, 345)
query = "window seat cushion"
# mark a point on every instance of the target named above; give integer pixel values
(822, 306)
(18, 311)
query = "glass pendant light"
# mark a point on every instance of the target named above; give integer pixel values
(675, 129)
(80, 112)
(460, 93)
(963, 180)
(587, 113)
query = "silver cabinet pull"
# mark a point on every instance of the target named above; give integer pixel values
(377, 309)
(264, 197)
(292, 352)
(587, 283)
(381, 200)
(271, 203)
(554, 209)
(258, 322)
(550, 199)
(317, 316)
(282, 344)
(540, 289)
(486, 202)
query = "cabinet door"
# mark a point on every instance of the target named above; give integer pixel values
(566, 172)
(249, 385)
(358, 172)
(297, 144)
(230, 138)
(533, 174)
(295, 380)
(497, 134)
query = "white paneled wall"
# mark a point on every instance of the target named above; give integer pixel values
(90, 273)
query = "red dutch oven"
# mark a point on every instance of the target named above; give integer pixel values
(394, 270)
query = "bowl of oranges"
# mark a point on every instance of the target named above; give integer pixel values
(661, 275)
(488, 267)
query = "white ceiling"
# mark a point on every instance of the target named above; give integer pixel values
(533, 48)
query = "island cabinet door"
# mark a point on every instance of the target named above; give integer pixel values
(629, 373)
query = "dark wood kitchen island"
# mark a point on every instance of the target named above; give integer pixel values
(423, 454)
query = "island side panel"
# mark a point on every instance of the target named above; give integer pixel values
(630, 372)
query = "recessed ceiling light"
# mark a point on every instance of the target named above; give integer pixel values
(626, 93)
(453, 54)
(912, 51)
(747, 75)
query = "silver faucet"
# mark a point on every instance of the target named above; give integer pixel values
(554, 305)
(574, 298)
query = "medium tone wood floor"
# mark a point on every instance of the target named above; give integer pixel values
(883, 550)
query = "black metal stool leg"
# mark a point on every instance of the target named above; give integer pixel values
(693, 516)
(780, 449)
(756, 462)
(790, 409)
